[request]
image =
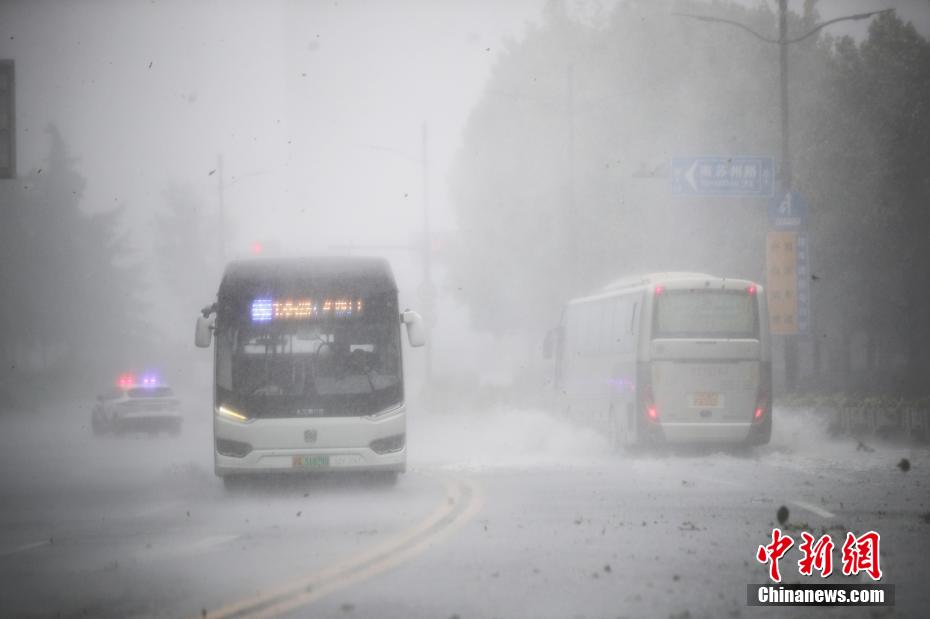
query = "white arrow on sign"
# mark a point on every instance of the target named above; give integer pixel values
(690, 175)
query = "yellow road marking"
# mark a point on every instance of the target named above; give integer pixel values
(25, 547)
(461, 502)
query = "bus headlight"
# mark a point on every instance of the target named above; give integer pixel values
(388, 412)
(230, 413)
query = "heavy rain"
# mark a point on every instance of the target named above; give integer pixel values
(533, 308)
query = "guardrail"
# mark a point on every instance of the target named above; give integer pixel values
(873, 416)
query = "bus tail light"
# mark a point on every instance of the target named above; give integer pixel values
(647, 400)
(764, 394)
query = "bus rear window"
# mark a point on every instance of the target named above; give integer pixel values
(705, 314)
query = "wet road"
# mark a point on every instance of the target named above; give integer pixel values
(504, 513)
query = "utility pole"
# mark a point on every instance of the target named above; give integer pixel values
(791, 341)
(429, 295)
(787, 182)
(783, 77)
(571, 224)
(222, 210)
(7, 119)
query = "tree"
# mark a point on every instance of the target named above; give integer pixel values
(66, 275)
(559, 186)
(546, 187)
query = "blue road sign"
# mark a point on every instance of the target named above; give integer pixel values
(788, 211)
(723, 176)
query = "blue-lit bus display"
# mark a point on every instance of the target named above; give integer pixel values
(266, 310)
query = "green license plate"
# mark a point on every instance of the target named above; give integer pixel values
(313, 462)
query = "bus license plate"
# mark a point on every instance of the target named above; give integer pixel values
(706, 399)
(312, 462)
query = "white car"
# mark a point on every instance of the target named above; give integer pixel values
(143, 406)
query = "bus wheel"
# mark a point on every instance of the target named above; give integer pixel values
(761, 435)
(641, 439)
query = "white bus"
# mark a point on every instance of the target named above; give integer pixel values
(668, 357)
(308, 374)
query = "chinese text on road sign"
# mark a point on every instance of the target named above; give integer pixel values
(722, 176)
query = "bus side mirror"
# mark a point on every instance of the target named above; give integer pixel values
(203, 335)
(416, 332)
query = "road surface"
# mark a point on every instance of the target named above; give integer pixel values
(503, 513)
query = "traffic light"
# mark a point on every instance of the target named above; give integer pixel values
(7, 120)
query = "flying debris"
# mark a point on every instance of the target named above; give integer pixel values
(782, 515)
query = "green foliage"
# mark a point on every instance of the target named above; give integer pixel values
(868, 156)
(68, 285)
(560, 185)
(547, 188)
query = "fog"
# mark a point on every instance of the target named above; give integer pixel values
(504, 159)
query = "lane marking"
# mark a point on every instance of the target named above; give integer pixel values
(25, 547)
(719, 480)
(462, 500)
(471, 504)
(813, 508)
(809, 470)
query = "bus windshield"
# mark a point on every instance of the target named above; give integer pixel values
(312, 356)
(706, 314)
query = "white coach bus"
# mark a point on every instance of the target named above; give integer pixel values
(668, 357)
(308, 373)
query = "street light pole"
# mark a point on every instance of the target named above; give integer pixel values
(783, 76)
(222, 210)
(783, 42)
(791, 340)
(787, 182)
(428, 293)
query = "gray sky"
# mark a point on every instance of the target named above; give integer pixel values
(317, 108)
(314, 106)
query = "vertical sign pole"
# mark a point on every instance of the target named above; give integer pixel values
(7, 119)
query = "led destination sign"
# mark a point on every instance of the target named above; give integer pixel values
(266, 310)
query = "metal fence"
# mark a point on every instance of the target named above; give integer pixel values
(869, 416)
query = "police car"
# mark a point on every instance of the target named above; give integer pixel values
(137, 405)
